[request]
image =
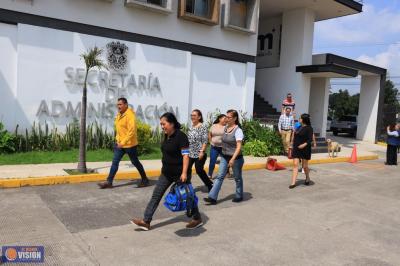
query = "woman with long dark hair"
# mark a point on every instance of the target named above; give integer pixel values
(215, 137)
(198, 140)
(175, 163)
(302, 149)
(393, 141)
(231, 156)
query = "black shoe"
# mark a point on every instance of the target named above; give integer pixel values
(237, 200)
(210, 201)
(307, 183)
(292, 186)
(143, 183)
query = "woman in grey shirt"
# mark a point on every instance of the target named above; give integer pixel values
(231, 156)
(198, 140)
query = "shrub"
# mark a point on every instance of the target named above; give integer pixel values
(255, 148)
(6, 140)
(254, 131)
(40, 138)
(144, 138)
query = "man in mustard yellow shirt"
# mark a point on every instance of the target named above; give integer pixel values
(126, 142)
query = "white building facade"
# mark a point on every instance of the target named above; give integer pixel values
(179, 55)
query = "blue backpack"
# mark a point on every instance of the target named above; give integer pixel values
(181, 197)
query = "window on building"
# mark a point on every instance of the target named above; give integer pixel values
(241, 15)
(198, 7)
(154, 2)
(201, 11)
(164, 6)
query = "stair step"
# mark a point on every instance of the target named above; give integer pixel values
(319, 150)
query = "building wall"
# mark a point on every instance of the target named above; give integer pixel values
(115, 15)
(8, 73)
(296, 49)
(219, 85)
(49, 73)
(368, 110)
(319, 102)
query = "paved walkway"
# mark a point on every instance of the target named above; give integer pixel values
(349, 216)
(42, 170)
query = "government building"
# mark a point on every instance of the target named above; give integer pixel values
(174, 55)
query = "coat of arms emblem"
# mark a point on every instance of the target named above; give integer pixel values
(117, 55)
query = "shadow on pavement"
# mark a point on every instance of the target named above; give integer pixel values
(246, 196)
(151, 183)
(184, 232)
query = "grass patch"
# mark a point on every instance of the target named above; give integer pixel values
(39, 157)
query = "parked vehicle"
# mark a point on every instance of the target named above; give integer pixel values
(345, 124)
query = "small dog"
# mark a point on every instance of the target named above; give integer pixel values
(333, 147)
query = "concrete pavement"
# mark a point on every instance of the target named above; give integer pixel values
(349, 216)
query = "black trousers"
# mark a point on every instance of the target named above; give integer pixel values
(391, 155)
(199, 166)
(162, 185)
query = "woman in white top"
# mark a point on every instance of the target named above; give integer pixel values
(231, 156)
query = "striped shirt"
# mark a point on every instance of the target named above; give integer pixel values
(290, 104)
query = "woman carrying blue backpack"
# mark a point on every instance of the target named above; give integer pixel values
(175, 163)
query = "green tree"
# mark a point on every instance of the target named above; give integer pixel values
(391, 94)
(342, 103)
(92, 60)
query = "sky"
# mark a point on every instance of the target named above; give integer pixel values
(372, 36)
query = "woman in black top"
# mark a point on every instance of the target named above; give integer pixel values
(175, 162)
(302, 149)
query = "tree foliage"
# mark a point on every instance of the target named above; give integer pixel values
(342, 103)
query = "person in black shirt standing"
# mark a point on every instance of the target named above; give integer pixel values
(175, 163)
(302, 149)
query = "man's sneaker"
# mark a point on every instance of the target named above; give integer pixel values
(104, 185)
(141, 224)
(143, 183)
(194, 224)
(210, 201)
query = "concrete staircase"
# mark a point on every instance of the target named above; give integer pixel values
(322, 146)
(266, 113)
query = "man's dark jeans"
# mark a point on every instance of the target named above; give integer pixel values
(162, 185)
(133, 156)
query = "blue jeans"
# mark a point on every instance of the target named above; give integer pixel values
(214, 153)
(133, 156)
(237, 173)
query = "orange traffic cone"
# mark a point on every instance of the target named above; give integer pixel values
(279, 166)
(270, 164)
(353, 158)
(273, 165)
